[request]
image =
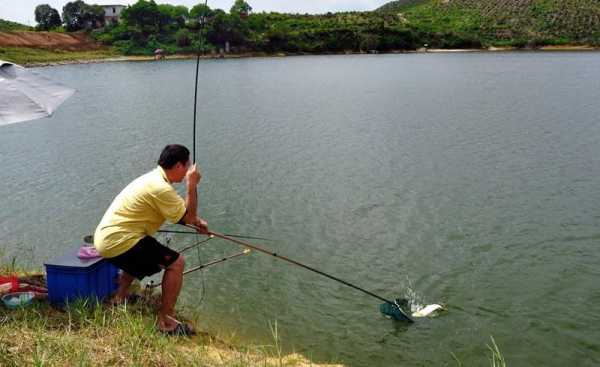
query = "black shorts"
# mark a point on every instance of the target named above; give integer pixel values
(146, 258)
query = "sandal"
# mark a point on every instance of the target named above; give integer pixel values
(180, 330)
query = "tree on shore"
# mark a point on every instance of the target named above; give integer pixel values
(177, 14)
(201, 11)
(145, 18)
(78, 15)
(240, 8)
(47, 17)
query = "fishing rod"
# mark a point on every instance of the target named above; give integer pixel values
(389, 308)
(229, 235)
(203, 266)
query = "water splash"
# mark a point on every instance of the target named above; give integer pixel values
(417, 305)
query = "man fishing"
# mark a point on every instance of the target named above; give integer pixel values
(124, 235)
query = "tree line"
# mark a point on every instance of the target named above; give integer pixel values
(146, 26)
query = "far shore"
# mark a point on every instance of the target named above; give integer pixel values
(562, 48)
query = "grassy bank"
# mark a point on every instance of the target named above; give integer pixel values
(30, 55)
(91, 334)
(100, 335)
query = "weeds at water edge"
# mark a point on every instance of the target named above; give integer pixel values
(496, 357)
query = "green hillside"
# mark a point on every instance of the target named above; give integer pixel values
(8, 26)
(505, 22)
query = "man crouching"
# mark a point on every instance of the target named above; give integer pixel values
(124, 235)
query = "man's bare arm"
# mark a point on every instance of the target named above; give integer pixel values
(191, 204)
(193, 177)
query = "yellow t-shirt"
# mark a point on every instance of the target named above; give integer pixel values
(138, 211)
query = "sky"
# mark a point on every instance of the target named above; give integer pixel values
(22, 10)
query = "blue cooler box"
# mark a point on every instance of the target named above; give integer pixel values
(70, 278)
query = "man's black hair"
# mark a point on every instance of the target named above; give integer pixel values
(173, 154)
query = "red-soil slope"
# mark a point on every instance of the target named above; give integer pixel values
(78, 41)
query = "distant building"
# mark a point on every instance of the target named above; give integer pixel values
(112, 13)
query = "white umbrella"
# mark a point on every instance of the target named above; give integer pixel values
(25, 95)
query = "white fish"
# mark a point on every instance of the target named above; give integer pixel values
(428, 310)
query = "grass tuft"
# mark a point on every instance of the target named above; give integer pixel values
(497, 360)
(496, 357)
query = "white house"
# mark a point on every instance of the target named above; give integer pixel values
(112, 12)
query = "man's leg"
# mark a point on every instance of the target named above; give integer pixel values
(171, 286)
(122, 293)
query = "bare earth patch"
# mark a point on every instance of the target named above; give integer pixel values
(78, 41)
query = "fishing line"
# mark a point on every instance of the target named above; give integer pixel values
(202, 278)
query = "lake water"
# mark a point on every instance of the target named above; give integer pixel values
(470, 180)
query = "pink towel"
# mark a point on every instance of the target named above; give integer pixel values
(87, 252)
